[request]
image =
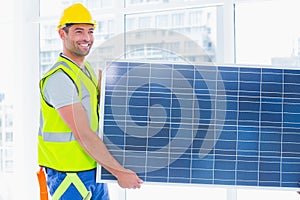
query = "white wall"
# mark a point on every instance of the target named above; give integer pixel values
(25, 65)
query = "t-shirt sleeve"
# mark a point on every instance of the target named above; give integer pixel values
(60, 91)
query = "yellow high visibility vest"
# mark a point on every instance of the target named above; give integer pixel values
(57, 147)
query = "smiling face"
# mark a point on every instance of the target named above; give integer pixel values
(77, 41)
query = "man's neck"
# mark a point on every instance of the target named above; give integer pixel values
(78, 61)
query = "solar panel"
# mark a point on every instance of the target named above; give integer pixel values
(221, 125)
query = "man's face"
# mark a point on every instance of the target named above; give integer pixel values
(79, 39)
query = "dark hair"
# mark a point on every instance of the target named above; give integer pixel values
(67, 26)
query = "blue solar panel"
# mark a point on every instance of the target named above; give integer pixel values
(222, 125)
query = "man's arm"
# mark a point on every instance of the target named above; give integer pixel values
(75, 117)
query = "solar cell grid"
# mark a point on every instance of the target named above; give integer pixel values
(228, 125)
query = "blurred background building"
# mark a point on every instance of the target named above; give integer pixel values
(147, 35)
(6, 145)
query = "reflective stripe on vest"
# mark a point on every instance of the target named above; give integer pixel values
(58, 137)
(57, 146)
(71, 178)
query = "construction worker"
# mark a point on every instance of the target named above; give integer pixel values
(68, 145)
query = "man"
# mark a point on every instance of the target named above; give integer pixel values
(68, 146)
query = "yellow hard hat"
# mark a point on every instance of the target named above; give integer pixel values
(76, 14)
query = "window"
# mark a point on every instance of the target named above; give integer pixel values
(94, 4)
(9, 120)
(133, 2)
(197, 18)
(9, 137)
(131, 23)
(161, 21)
(144, 22)
(9, 166)
(177, 19)
(198, 37)
(270, 36)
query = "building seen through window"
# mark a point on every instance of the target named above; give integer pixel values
(6, 136)
(6, 147)
(147, 35)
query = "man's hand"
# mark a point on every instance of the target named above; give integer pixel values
(129, 179)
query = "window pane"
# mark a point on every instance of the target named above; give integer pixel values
(9, 136)
(177, 19)
(50, 45)
(50, 8)
(161, 20)
(136, 2)
(267, 32)
(9, 119)
(173, 32)
(145, 22)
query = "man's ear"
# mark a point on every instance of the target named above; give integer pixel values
(62, 33)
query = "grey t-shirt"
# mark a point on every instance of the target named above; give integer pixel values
(60, 91)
